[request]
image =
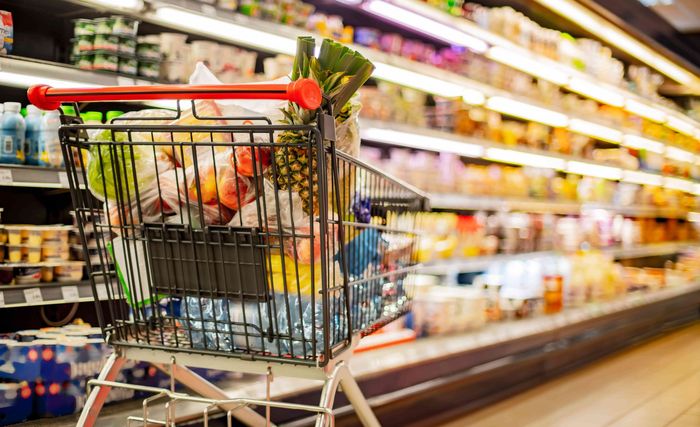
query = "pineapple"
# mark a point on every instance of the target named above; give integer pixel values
(339, 71)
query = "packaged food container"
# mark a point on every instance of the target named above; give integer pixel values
(103, 25)
(47, 274)
(128, 65)
(127, 45)
(70, 271)
(150, 69)
(14, 253)
(33, 236)
(106, 42)
(83, 27)
(54, 252)
(27, 275)
(147, 50)
(3, 235)
(55, 234)
(84, 61)
(107, 61)
(84, 43)
(2, 253)
(7, 275)
(14, 234)
(124, 26)
(33, 254)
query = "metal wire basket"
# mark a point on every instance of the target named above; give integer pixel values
(232, 236)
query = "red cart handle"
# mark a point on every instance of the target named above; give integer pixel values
(304, 92)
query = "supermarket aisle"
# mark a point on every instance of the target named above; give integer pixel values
(653, 385)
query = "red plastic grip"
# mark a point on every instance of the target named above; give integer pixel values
(304, 92)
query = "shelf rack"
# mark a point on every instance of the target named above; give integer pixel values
(37, 294)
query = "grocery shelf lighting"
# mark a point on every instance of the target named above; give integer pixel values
(693, 216)
(680, 155)
(679, 184)
(217, 28)
(524, 159)
(425, 25)
(525, 111)
(641, 143)
(120, 4)
(527, 65)
(590, 169)
(680, 125)
(27, 80)
(421, 142)
(596, 91)
(404, 77)
(594, 24)
(636, 177)
(644, 110)
(595, 130)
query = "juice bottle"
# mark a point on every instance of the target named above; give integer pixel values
(12, 134)
(49, 144)
(32, 135)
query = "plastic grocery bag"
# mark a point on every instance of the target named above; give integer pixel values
(347, 132)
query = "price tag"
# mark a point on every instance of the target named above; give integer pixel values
(2, 299)
(63, 179)
(208, 9)
(5, 177)
(70, 293)
(102, 292)
(33, 295)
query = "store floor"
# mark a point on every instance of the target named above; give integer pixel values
(652, 385)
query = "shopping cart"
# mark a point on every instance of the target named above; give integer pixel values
(233, 243)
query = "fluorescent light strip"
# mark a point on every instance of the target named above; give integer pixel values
(590, 169)
(696, 189)
(694, 216)
(679, 184)
(588, 20)
(680, 155)
(527, 65)
(526, 111)
(680, 125)
(595, 130)
(27, 80)
(641, 143)
(425, 25)
(636, 177)
(524, 159)
(646, 111)
(596, 91)
(422, 142)
(220, 29)
(404, 77)
(120, 4)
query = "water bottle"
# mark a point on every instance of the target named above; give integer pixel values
(32, 135)
(49, 144)
(12, 134)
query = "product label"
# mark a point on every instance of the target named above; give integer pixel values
(8, 145)
(33, 295)
(70, 293)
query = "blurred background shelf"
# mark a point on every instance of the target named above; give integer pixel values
(50, 293)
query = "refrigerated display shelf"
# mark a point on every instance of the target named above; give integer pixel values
(485, 363)
(204, 19)
(481, 263)
(473, 203)
(32, 176)
(37, 294)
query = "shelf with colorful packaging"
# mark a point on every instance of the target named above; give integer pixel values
(556, 59)
(203, 19)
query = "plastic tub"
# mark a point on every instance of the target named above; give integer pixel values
(14, 235)
(33, 254)
(83, 43)
(147, 50)
(107, 61)
(104, 25)
(84, 61)
(14, 253)
(54, 252)
(106, 42)
(27, 275)
(70, 271)
(128, 65)
(83, 27)
(124, 26)
(150, 69)
(127, 45)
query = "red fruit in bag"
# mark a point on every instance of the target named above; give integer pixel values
(234, 190)
(244, 160)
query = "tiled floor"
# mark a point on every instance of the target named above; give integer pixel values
(656, 384)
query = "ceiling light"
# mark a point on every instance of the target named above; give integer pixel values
(528, 65)
(594, 24)
(590, 169)
(680, 155)
(679, 184)
(636, 177)
(527, 111)
(220, 29)
(595, 130)
(473, 97)
(421, 142)
(425, 25)
(596, 91)
(641, 143)
(524, 158)
(120, 4)
(27, 80)
(680, 125)
(644, 110)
